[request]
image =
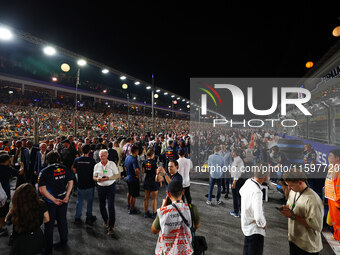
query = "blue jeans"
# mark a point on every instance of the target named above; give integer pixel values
(107, 192)
(88, 194)
(211, 188)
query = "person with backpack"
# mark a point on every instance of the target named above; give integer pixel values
(173, 222)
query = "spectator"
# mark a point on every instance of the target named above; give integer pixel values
(253, 222)
(170, 175)
(5, 173)
(28, 213)
(149, 167)
(56, 193)
(184, 167)
(83, 166)
(237, 182)
(173, 221)
(113, 154)
(133, 178)
(216, 164)
(304, 210)
(105, 174)
(332, 191)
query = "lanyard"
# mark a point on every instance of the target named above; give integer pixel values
(104, 168)
(296, 199)
(258, 185)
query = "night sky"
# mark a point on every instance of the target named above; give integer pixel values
(176, 42)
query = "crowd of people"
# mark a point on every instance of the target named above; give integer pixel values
(56, 168)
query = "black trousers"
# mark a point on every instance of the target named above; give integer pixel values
(237, 196)
(253, 245)
(57, 212)
(187, 195)
(295, 250)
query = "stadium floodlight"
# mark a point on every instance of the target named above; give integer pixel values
(123, 77)
(148, 87)
(49, 51)
(10, 92)
(54, 79)
(105, 71)
(5, 34)
(137, 83)
(165, 93)
(155, 95)
(158, 90)
(173, 96)
(104, 91)
(178, 98)
(175, 102)
(183, 100)
(134, 98)
(124, 86)
(188, 106)
(188, 102)
(81, 62)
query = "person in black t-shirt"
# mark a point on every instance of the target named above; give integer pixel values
(170, 153)
(5, 173)
(113, 154)
(171, 175)
(55, 184)
(149, 167)
(83, 167)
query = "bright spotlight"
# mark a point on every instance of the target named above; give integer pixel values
(178, 98)
(81, 62)
(124, 86)
(10, 92)
(173, 96)
(188, 106)
(54, 79)
(155, 95)
(158, 90)
(165, 93)
(5, 34)
(134, 98)
(105, 71)
(148, 87)
(50, 51)
(123, 77)
(104, 91)
(137, 83)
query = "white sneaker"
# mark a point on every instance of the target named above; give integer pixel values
(208, 202)
(219, 202)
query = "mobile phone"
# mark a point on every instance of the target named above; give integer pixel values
(168, 201)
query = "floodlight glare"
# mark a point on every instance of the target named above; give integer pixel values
(183, 100)
(5, 34)
(155, 95)
(148, 87)
(50, 51)
(137, 83)
(178, 98)
(124, 86)
(134, 98)
(188, 106)
(81, 62)
(105, 71)
(173, 96)
(54, 79)
(122, 77)
(165, 93)
(158, 90)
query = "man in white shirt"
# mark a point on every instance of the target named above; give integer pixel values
(184, 166)
(106, 173)
(237, 168)
(253, 222)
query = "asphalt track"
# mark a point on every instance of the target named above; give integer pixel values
(133, 232)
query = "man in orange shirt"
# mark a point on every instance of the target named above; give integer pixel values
(332, 191)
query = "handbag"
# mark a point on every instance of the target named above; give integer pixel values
(3, 196)
(199, 243)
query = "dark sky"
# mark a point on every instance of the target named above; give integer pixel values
(176, 42)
